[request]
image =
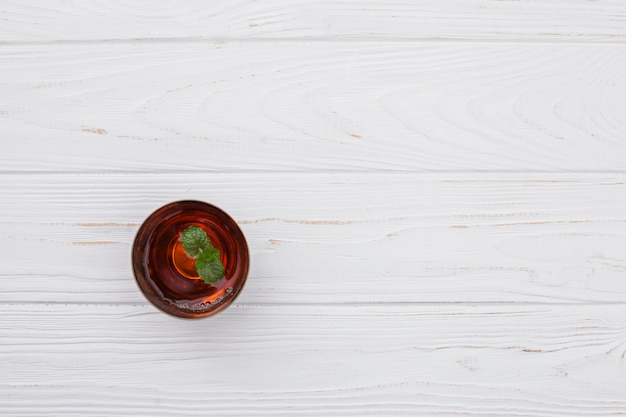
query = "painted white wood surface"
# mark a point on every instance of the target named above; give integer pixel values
(449, 360)
(451, 172)
(373, 237)
(312, 106)
(556, 20)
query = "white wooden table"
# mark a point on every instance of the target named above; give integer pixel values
(434, 194)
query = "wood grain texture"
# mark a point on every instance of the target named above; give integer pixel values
(361, 237)
(312, 360)
(434, 194)
(333, 106)
(349, 19)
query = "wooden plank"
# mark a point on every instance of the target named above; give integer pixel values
(332, 238)
(310, 360)
(397, 19)
(349, 106)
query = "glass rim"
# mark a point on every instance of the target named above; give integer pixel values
(144, 239)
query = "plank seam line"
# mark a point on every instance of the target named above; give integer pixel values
(619, 40)
(399, 304)
(121, 173)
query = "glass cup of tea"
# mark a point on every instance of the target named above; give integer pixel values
(167, 275)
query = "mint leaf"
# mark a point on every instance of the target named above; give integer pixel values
(209, 265)
(194, 240)
(198, 246)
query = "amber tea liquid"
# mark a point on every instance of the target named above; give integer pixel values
(168, 277)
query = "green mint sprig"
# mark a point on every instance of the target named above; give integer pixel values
(198, 246)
